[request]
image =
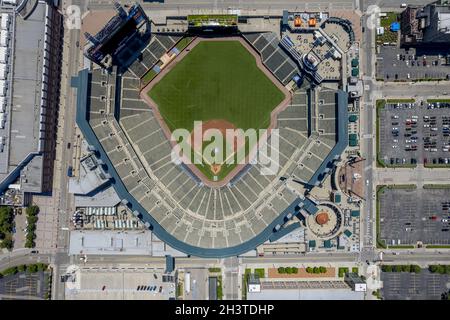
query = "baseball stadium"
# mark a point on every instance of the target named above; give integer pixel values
(154, 82)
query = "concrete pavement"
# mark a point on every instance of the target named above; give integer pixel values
(419, 176)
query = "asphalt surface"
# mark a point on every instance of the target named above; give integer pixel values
(390, 67)
(406, 216)
(394, 146)
(411, 286)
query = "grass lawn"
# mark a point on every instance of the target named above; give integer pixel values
(388, 36)
(401, 101)
(217, 80)
(148, 77)
(380, 104)
(183, 43)
(380, 243)
(436, 186)
(260, 272)
(438, 100)
(402, 247)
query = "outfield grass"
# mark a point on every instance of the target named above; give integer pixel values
(217, 80)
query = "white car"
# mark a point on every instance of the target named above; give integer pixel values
(444, 220)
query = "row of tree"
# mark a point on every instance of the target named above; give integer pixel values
(31, 268)
(401, 268)
(32, 219)
(6, 226)
(287, 270)
(439, 268)
(316, 270)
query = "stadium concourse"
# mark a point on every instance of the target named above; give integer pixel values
(190, 216)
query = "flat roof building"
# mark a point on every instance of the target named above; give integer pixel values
(429, 24)
(33, 55)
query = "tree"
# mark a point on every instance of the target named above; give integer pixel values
(7, 242)
(406, 268)
(281, 270)
(309, 270)
(322, 269)
(316, 270)
(22, 268)
(447, 269)
(32, 268)
(416, 269)
(32, 211)
(433, 268)
(386, 268)
(441, 269)
(294, 270)
(288, 270)
(41, 266)
(397, 268)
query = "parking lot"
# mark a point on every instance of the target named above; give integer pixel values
(138, 283)
(23, 286)
(411, 286)
(399, 64)
(412, 133)
(408, 216)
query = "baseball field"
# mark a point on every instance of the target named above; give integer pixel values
(216, 81)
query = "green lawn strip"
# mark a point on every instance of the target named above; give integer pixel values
(214, 270)
(390, 101)
(219, 288)
(436, 166)
(179, 290)
(401, 247)
(380, 243)
(438, 100)
(148, 77)
(436, 186)
(183, 43)
(438, 246)
(355, 270)
(380, 104)
(244, 283)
